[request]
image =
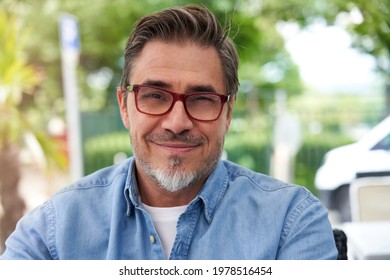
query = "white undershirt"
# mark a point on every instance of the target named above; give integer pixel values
(165, 221)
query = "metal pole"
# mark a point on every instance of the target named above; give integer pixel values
(69, 61)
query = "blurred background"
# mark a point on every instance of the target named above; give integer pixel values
(314, 76)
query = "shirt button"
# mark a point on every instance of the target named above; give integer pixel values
(152, 239)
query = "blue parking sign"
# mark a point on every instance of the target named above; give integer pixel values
(69, 33)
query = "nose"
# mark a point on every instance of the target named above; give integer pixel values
(177, 120)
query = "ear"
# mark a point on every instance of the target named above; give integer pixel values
(229, 114)
(123, 107)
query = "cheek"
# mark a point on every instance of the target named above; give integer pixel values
(140, 126)
(215, 133)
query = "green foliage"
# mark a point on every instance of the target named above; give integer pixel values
(367, 21)
(16, 78)
(248, 143)
(369, 24)
(19, 114)
(100, 151)
(15, 75)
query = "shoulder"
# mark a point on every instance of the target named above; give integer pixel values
(267, 190)
(263, 182)
(103, 178)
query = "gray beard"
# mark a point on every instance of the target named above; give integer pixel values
(173, 178)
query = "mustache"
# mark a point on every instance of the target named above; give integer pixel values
(173, 137)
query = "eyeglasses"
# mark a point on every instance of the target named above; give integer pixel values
(200, 106)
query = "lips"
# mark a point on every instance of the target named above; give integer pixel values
(177, 147)
(176, 143)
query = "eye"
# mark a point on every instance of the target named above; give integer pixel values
(203, 98)
(156, 95)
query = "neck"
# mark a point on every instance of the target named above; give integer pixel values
(158, 197)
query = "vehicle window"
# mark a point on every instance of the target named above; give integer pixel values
(384, 144)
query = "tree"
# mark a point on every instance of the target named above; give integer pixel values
(15, 78)
(367, 21)
(18, 82)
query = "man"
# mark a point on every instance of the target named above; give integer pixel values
(175, 199)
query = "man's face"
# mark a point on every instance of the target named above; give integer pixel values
(173, 150)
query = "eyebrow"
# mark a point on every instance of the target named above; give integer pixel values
(156, 83)
(190, 89)
(202, 88)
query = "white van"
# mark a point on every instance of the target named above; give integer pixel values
(370, 156)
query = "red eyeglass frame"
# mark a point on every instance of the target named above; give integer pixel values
(177, 97)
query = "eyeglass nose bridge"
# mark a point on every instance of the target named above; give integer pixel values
(178, 97)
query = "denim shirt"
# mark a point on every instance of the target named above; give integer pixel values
(238, 214)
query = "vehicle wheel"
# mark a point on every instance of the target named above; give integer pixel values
(342, 203)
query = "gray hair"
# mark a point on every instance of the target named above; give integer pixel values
(180, 25)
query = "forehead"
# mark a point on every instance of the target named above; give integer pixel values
(178, 65)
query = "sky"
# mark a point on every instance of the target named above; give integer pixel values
(327, 62)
